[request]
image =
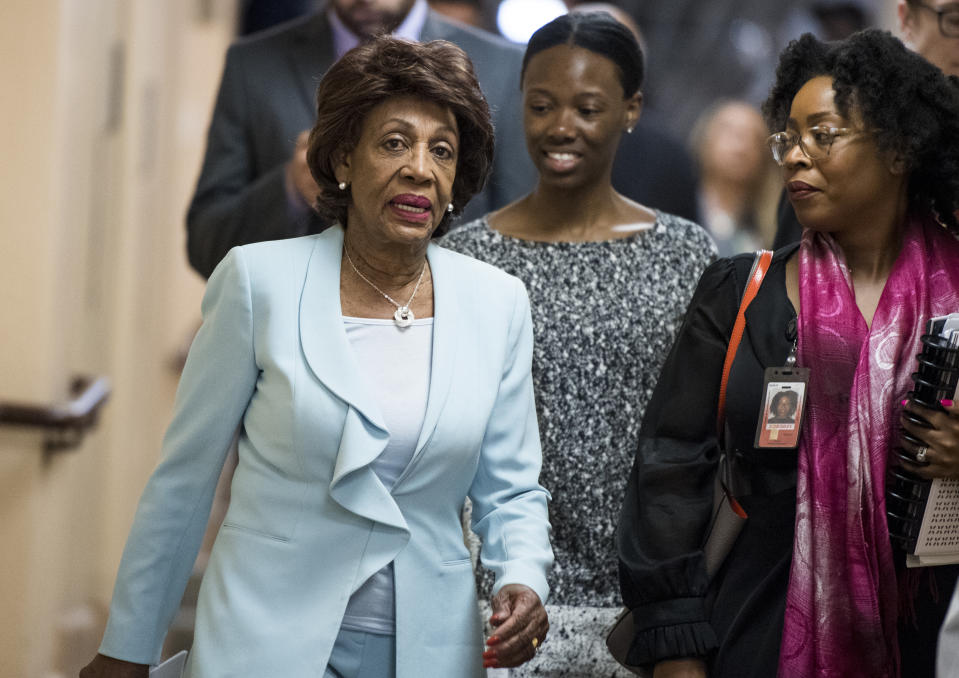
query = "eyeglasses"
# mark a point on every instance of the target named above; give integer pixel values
(815, 142)
(948, 19)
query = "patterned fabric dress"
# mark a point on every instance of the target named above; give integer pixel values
(604, 317)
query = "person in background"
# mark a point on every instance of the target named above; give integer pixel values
(812, 586)
(364, 423)
(838, 19)
(255, 184)
(737, 179)
(652, 167)
(931, 27)
(608, 280)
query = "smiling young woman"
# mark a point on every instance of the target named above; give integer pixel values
(575, 111)
(608, 279)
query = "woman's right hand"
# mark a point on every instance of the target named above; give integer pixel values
(520, 625)
(680, 668)
(108, 667)
(941, 440)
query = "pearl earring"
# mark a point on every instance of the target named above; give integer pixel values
(449, 208)
(629, 130)
(342, 185)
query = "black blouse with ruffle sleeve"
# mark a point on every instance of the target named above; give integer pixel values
(735, 620)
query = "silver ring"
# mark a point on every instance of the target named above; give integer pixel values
(921, 454)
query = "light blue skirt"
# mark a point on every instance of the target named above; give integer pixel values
(362, 655)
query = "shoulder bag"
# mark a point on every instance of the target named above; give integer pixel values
(728, 516)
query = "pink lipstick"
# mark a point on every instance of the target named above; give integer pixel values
(800, 189)
(410, 207)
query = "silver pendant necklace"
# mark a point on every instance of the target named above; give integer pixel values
(403, 316)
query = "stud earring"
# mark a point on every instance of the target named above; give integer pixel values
(449, 208)
(342, 185)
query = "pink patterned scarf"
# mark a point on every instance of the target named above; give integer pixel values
(842, 602)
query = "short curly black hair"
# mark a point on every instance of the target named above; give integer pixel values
(385, 68)
(912, 107)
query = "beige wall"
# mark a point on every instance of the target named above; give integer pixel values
(105, 109)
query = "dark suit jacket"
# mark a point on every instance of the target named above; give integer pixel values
(266, 99)
(654, 169)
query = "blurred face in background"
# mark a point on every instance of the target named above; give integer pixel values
(367, 18)
(920, 27)
(733, 145)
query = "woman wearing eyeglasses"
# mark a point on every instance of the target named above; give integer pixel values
(868, 140)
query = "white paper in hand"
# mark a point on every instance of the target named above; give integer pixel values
(171, 668)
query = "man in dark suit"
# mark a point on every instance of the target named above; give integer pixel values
(254, 184)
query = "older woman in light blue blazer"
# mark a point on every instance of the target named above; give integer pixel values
(377, 381)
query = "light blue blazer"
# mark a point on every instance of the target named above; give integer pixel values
(309, 521)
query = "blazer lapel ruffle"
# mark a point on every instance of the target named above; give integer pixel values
(354, 485)
(443, 357)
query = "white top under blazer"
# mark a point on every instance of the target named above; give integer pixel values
(395, 361)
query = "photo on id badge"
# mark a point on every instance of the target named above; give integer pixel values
(782, 414)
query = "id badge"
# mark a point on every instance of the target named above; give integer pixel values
(784, 405)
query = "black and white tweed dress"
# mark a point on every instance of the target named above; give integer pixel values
(604, 316)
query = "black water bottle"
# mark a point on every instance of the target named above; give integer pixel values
(936, 379)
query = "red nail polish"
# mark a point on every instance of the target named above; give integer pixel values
(493, 640)
(945, 402)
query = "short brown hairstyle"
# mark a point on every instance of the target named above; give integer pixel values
(388, 67)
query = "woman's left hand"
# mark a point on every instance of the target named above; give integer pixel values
(942, 440)
(520, 624)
